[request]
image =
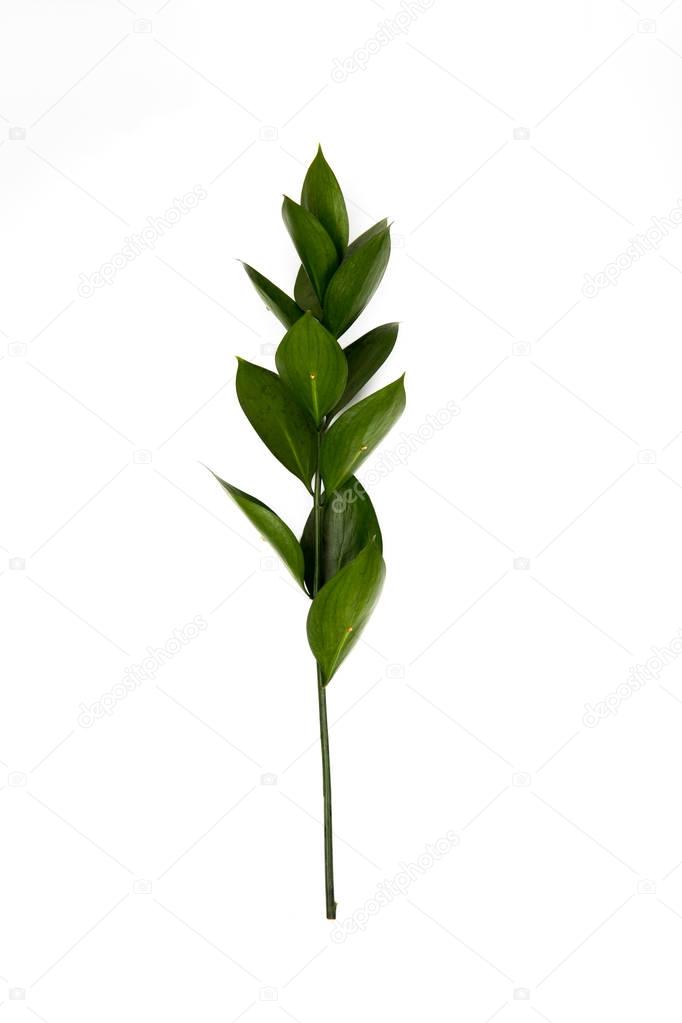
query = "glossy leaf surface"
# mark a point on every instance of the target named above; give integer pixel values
(364, 357)
(354, 283)
(304, 293)
(357, 432)
(271, 526)
(311, 363)
(371, 232)
(322, 196)
(341, 609)
(315, 248)
(276, 300)
(348, 523)
(280, 422)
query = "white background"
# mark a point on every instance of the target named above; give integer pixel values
(463, 710)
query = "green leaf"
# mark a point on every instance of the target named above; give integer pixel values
(348, 523)
(311, 363)
(304, 293)
(371, 232)
(357, 432)
(341, 609)
(314, 246)
(280, 422)
(269, 524)
(276, 300)
(354, 283)
(364, 357)
(322, 196)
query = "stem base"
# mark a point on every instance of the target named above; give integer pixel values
(327, 799)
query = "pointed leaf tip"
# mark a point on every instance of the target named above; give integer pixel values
(356, 280)
(271, 526)
(315, 247)
(322, 196)
(276, 300)
(364, 357)
(357, 432)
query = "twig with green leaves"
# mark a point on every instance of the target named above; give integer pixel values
(298, 412)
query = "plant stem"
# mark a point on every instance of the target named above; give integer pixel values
(322, 701)
(327, 794)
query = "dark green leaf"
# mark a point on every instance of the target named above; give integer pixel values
(311, 363)
(269, 524)
(304, 293)
(348, 523)
(278, 419)
(277, 301)
(364, 358)
(371, 232)
(354, 283)
(358, 431)
(341, 609)
(314, 246)
(322, 196)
